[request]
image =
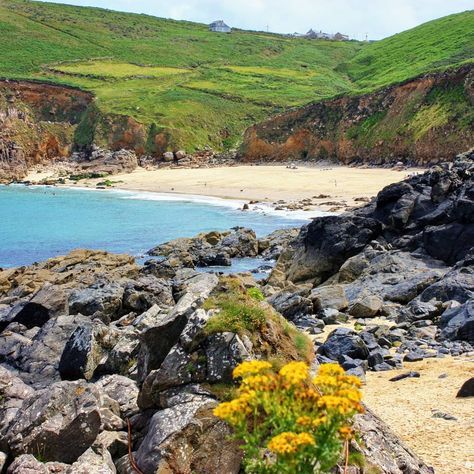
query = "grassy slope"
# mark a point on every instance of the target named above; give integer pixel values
(205, 88)
(432, 46)
(219, 84)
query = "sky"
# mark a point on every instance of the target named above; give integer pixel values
(375, 18)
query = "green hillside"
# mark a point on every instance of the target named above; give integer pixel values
(203, 88)
(432, 46)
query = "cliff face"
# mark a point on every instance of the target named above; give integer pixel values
(42, 123)
(425, 120)
(37, 123)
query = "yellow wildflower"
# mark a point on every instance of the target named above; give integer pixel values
(233, 411)
(346, 432)
(294, 373)
(289, 442)
(251, 367)
(330, 369)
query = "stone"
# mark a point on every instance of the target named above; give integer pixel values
(467, 389)
(104, 301)
(443, 416)
(85, 350)
(414, 356)
(188, 438)
(121, 389)
(59, 423)
(92, 462)
(326, 243)
(224, 352)
(405, 375)
(28, 464)
(366, 306)
(344, 342)
(168, 156)
(291, 305)
(332, 297)
(27, 314)
(458, 323)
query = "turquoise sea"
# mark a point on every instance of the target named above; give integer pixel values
(37, 223)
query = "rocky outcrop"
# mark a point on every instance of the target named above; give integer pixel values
(406, 257)
(116, 343)
(368, 128)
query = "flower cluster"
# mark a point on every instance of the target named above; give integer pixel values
(304, 421)
(289, 442)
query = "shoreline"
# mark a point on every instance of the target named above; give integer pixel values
(310, 189)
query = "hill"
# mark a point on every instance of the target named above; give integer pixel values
(164, 84)
(200, 87)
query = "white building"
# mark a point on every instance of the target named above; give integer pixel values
(219, 27)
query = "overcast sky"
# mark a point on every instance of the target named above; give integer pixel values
(376, 18)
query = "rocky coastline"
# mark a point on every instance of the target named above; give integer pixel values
(108, 366)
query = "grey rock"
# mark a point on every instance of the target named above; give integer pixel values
(101, 300)
(290, 304)
(85, 350)
(344, 342)
(58, 423)
(92, 462)
(121, 389)
(458, 323)
(28, 464)
(366, 306)
(332, 296)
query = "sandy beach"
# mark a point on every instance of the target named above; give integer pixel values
(259, 183)
(407, 406)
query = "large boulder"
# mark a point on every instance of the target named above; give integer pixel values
(103, 301)
(327, 243)
(344, 342)
(331, 296)
(187, 438)
(57, 424)
(458, 323)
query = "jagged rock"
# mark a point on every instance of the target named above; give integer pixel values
(290, 304)
(38, 361)
(327, 243)
(156, 343)
(146, 291)
(84, 351)
(458, 323)
(271, 246)
(344, 342)
(178, 368)
(26, 313)
(115, 442)
(168, 156)
(101, 301)
(332, 296)
(3, 460)
(224, 352)
(121, 389)
(58, 423)
(13, 391)
(188, 438)
(210, 249)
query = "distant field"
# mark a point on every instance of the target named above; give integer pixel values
(201, 87)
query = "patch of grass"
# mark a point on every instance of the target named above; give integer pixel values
(256, 294)
(271, 334)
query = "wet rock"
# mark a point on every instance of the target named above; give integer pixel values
(58, 423)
